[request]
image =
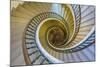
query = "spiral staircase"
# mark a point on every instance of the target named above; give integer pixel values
(46, 33)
